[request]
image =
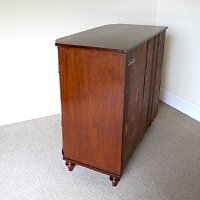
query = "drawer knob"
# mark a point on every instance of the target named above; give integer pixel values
(132, 61)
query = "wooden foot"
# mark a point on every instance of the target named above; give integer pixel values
(70, 165)
(62, 152)
(114, 180)
(151, 123)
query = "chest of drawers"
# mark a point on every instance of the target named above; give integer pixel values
(109, 82)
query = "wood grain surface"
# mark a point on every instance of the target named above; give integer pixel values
(144, 123)
(110, 82)
(135, 75)
(114, 37)
(161, 41)
(92, 95)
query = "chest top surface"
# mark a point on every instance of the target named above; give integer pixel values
(118, 37)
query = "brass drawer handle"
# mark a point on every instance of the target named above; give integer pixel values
(132, 61)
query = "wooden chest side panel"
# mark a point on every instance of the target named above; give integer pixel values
(92, 96)
(135, 73)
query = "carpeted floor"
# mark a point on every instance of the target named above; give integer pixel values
(165, 166)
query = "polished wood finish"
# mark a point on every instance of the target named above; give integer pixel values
(70, 165)
(157, 79)
(114, 180)
(145, 122)
(141, 92)
(135, 74)
(92, 89)
(115, 37)
(109, 83)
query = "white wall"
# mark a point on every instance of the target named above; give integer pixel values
(29, 85)
(181, 70)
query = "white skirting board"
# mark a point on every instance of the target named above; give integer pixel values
(181, 104)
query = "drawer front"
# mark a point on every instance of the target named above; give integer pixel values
(159, 62)
(135, 76)
(143, 76)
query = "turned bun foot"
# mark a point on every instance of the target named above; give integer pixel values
(70, 165)
(62, 152)
(114, 180)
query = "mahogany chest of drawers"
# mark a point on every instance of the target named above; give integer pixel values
(109, 82)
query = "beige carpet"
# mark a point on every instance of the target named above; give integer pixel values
(165, 166)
